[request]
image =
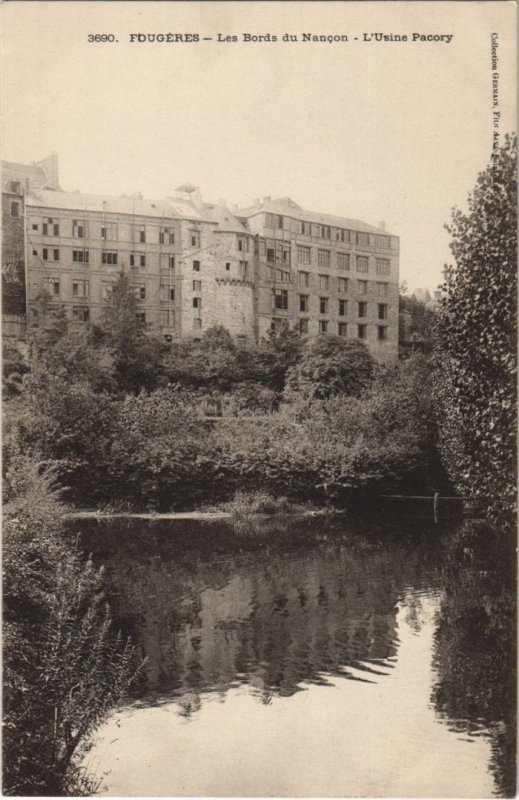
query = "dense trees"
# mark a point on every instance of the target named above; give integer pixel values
(476, 332)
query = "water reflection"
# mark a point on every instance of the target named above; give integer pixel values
(216, 610)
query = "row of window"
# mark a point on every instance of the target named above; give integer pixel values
(344, 261)
(280, 302)
(81, 288)
(343, 284)
(343, 328)
(50, 226)
(279, 222)
(110, 258)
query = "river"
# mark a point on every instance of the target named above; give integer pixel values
(372, 655)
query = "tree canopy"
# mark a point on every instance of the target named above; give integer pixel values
(476, 349)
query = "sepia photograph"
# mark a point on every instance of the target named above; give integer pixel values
(259, 356)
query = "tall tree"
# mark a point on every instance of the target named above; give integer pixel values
(475, 354)
(138, 356)
(330, 366)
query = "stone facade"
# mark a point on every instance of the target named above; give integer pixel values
(195, 264)
(326, 274)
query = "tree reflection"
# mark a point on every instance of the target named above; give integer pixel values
(475, 653)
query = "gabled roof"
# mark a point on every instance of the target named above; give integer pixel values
(285, 206)
(226, 220)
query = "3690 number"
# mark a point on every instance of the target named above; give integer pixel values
(101, 37)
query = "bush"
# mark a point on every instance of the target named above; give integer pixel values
(63, 666)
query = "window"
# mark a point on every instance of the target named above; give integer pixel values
(343, 261)
(304, 279)
(323, 258)
(280, 298)
(381, 333)
(342, 235)
(227, 267)
(304, 228)
(280, 221)
(323, 305)
(304, 303)
(50, 227)
(382, 311)
(197, 323)
(107, 288)
(80, 289)
(197, 302)
(243, 270)
(109, 231)
(78, 229)
(363, 309)
(15, 187)
(382, 289)
(80, 256)
(166, 236)
(303, 255)
(142, 234)
(303, 326)
(243, 244)
(167, 292)
(343, 329)
(197, 286)
(167, 317)
(362, 331)
(56, 255)
(34, 227)
(141, 316)
(270, 221)
(110, 257)
(196, 266)
(323, 326)
(80, 314)
(53, 284)
(324, 282)
(362, 287)
(326, 232)
(195, 238)
(140, 291)
(362, 238)
(137, 259)
(271, 254)
(382, 241)
(343, 307)
(283, 276)
(167, 261)
(15, 209)
(362, 264)
(382, 266)
(342, 285)
(46, 254)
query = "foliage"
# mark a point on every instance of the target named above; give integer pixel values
(476, 348)
(64, 668)
(138, 356)
(14, 367)
(277, 353)
(330, 365)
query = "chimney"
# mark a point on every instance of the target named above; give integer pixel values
(382, 225)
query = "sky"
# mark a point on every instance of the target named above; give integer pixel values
(392, 130)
